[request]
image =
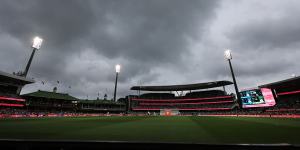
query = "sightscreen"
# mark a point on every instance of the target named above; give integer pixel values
(257, 98)
(169, 112)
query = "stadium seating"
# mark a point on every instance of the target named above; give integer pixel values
(210, 100)
(100, 106)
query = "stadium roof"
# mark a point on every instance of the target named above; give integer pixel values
(50, 95)
(14, 79)
(291, 82)
(185, 87)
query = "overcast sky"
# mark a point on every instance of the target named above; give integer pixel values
(157, 42)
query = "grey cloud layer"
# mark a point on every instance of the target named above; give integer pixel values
(141, 35)
(156, 41)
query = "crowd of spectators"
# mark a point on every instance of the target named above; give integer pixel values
(17, 113)
(20, 113)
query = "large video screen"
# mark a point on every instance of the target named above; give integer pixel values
(257, 98)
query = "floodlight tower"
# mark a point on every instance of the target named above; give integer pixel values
(118, 68)
(228, 56)
(37, 43)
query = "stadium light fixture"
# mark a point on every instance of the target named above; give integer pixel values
(228, 56)
(118, 69)
(37, 43)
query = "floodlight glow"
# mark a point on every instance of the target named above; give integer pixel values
(227, 54)
(37, 43)
(118, 68)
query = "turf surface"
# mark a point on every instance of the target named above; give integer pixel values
(216, 130)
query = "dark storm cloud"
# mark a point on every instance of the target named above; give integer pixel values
(269, 34)
(59, 22)
(141, 35)
(157, 42)
(10, 61)
(267, 44)
(263, 37)
(151, 30)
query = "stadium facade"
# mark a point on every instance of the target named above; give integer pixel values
(198, 98)
(45, 101)
(10, 88)
(50, 102)
(287, 96)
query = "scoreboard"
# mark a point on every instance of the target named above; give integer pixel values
(262, 97)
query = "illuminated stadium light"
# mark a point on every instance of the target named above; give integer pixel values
(227, 54)
(118, 68)
(37, 42)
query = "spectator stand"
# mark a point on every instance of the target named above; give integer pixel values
(10, 88)
(197, 99)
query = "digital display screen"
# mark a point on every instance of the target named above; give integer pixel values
(257, 98)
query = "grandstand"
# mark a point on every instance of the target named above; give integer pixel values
(199, 100)
(287, 94)
(53, 102)
(100, 106)
(45, 101)
(10, 88)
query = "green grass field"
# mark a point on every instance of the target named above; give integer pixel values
(212, 130)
